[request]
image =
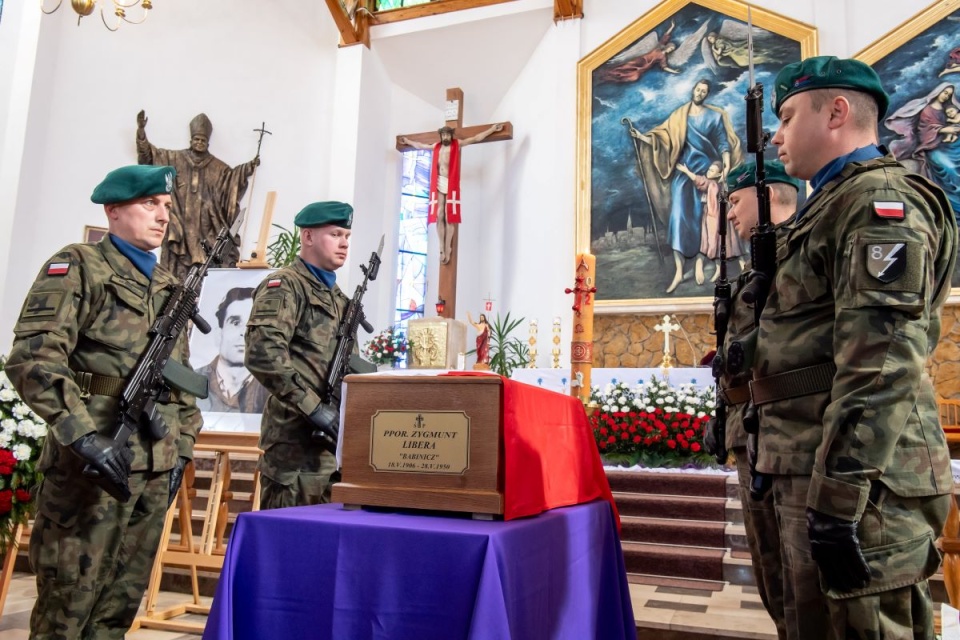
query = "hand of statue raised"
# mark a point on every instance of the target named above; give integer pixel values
(256, 161)
(141, 119)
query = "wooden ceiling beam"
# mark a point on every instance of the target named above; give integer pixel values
(350, 34)
(430, 9)
(567, 9)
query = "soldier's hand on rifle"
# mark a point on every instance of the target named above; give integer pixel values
(836, 550)
(711, 437)
(176, 478)
(326, 419)
(106, 460)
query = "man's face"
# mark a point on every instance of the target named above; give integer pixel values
(141, 222)
(700, 93)
(446, 138)
(742, 211)
(231, 333)
(199, 143)
(803, 136)
(326, 247)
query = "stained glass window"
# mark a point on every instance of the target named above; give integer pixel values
(412, 252)
(383, 5)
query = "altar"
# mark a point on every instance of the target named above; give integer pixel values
(326, 573)
(559, 379)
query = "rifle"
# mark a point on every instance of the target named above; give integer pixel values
(721, 317)
(763, 255)
(155, 372)
(326, 418)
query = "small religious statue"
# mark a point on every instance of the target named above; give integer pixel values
(206, 196)
(666, 327)
(445, 182)
(483, 341)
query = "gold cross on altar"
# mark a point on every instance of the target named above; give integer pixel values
(666, 327)
(453, 115)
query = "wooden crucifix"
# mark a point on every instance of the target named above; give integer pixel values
(445, 183)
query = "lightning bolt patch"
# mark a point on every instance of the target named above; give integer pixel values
(886, 262)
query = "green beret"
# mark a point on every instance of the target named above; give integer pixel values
(829, 72)
(134, 181)
(746, 176)
(321, 213)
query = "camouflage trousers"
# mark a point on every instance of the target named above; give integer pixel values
(309, 487)
(763, 540)
(93, 554)
(897, 539)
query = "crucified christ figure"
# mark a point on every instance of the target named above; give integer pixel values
(445, 182)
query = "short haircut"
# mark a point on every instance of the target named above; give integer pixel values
(233, 295)
(784, 194)
(863, 106)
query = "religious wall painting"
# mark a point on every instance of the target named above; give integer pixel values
(648, 185)
(919, 66)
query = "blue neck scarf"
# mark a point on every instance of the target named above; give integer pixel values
(833, 168)
(328, 278)
(144, 261)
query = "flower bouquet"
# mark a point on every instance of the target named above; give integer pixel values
(387, 347)
(653, 424)
(21, 439)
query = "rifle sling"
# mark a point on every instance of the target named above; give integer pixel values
(793, 384)
(735, 395)
(98, 385)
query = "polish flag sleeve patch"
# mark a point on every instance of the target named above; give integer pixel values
(273, 283)
(888, 210)
(58, 268)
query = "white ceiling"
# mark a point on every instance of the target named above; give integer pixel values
(480, 54)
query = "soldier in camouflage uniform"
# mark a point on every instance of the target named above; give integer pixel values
(849, 428)
(759, 518)
(81, 330)
(291, 338)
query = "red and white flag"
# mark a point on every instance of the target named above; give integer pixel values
(889, 210)
(58, 268)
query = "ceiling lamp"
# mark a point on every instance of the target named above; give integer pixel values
(86, 7)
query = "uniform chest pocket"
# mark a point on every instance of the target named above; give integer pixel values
(122, 319)
(797, 281)
(318, 326)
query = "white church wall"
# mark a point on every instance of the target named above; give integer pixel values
(530, 251)
(239, 61)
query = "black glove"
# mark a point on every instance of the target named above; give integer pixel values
(711, 439)
(108, 465)
(836, 550)
(326, 419)
(176, 477)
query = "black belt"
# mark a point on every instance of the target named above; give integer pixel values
(98, 385)
(735, 395)
(793, 384)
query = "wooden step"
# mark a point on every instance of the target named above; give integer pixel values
(672, 560)
(668, 530)
(688, 484)
(672, 506)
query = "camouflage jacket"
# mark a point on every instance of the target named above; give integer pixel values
(861, 280)
(740, 328)
(291, 337)
(89, 310)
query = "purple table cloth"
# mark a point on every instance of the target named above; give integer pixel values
(326, 573)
